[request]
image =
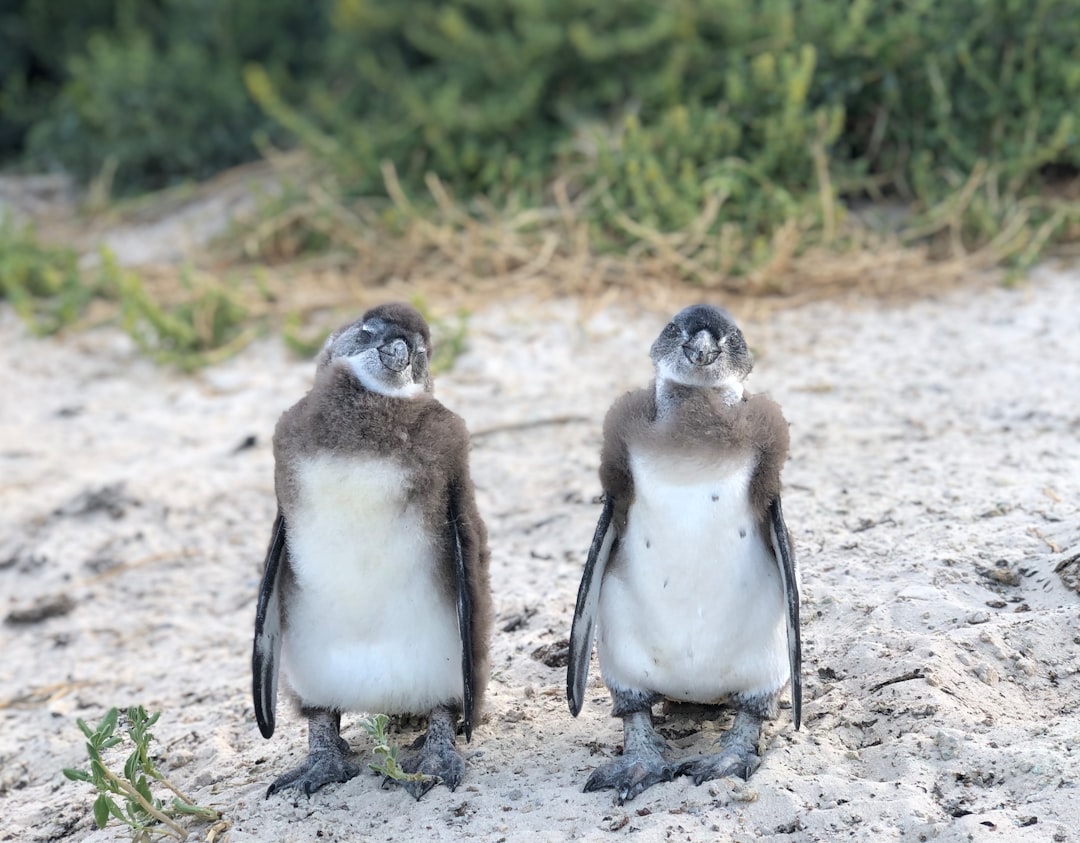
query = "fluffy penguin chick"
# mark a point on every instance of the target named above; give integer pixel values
(375, 595)
(690, 580)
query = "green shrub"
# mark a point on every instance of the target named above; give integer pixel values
(42, 283)
(155, 117)
(207, 321)
(154, 93)
(743, 116)
(768, 110)
(201, 320)
(36, 39)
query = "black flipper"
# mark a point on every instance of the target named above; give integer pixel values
(267, 646)
(588, 598)
(464, 612)
(785, 560)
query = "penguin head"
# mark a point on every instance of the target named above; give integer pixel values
(387, 349)
(702, 346)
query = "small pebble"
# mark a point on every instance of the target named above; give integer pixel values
(947, 746)
(1025, 666)
(743, 793)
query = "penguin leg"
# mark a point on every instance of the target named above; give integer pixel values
(738, 755)
(328, 756)
(437, 758)
(642, 763)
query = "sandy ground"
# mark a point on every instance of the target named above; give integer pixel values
(934, 486)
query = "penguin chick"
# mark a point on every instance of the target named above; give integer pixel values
(690, 579)
(375, 595)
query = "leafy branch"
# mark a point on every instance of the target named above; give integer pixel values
(142, 811)
(387, 753)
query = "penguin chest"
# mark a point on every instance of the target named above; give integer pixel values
(693, 606)
(370, 624)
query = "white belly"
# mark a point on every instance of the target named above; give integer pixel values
(368, 627)
(693, 609)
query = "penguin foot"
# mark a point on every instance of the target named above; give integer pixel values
(328, 756)
(630, 775)
(320, 768)
(437, 764)
(437, 758)
(642, 763)
(738, 755)
(732, 762)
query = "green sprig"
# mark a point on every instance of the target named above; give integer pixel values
(386, 754)
(128, 798)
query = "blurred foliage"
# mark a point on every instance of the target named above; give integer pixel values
(146, 92)
(742, 117)
(43, 283)
(735, 117)
(152, 115)
(202, 321)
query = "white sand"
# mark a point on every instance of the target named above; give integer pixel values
(934, 484)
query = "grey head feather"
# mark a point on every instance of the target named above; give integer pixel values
(387, 350)
(701, 347)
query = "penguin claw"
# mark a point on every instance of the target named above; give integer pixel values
(741, 764)
(317, 770)
(418, 787)
(438, 764)
(415, 787)
(630, 775)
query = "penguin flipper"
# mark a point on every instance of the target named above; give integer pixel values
(588, 598)
(464, 609)
(267, 645)
(785, 560)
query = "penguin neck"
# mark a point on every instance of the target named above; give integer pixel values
(670, 394)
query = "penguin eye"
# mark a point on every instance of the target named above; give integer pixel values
(365, 336)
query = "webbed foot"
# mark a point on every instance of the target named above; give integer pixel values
(728, 763)
(437, 759)
(738, 755)
(327, 760)
(318, 769)
(630, 775)
(641, 765)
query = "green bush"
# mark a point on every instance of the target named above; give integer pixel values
(155, 117)
(202, 321)
(151, 92)
(42, 283)
(36, 38)
(760, 113)
(668, 103)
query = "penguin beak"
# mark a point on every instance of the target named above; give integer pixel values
(395, 355)
(701, 349)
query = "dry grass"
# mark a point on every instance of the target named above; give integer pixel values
(453, 259)
(462, 258)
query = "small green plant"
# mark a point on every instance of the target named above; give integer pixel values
(450, 337)
(452, 342)
(43, 283)
(200, 321)
(145, 813)
(302, 344)
(207, 324)
(387, 753)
